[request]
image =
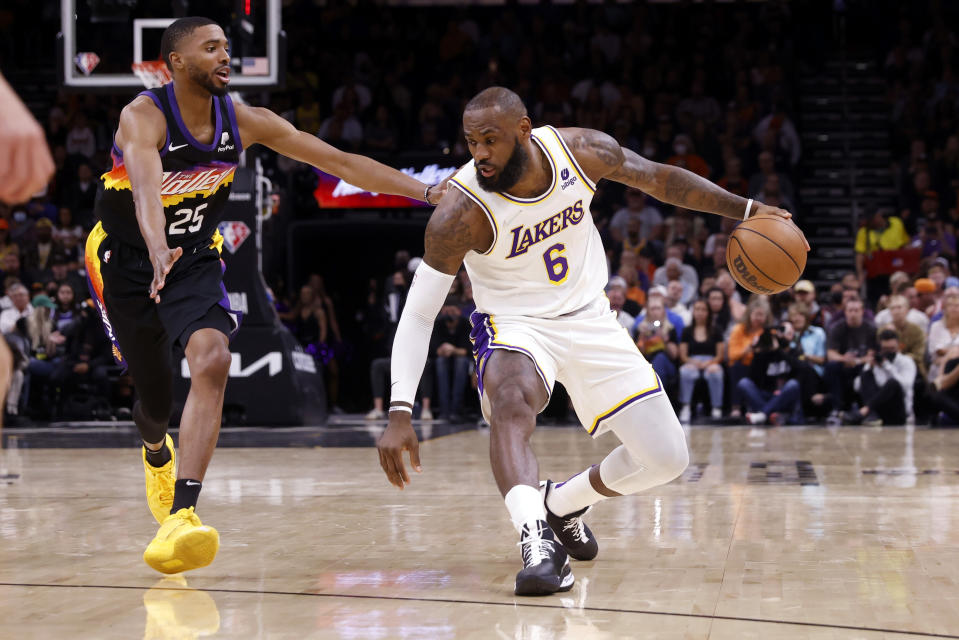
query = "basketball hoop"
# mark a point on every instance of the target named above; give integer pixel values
(152, 73)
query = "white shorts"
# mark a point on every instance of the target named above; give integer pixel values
(588, 351)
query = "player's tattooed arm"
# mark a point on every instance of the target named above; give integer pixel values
(457, 226)
(601, 156)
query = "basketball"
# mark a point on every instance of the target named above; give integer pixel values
(766, 254)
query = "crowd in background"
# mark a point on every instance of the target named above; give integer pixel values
(710, 89)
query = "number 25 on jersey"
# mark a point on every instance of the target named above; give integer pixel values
(193, 217)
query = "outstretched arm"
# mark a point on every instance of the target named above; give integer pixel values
(259, 125)
(602, 157)
(456, 227)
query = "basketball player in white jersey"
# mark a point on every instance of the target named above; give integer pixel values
(519, 217)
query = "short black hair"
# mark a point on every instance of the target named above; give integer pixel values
(178, 30)
(504, 99)
(888, 334)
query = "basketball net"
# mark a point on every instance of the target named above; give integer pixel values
(153, 73)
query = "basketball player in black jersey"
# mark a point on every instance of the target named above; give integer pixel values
(154, 265)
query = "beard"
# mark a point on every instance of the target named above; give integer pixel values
(511, 173)
(205, 80)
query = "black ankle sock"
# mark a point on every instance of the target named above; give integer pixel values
(158, 458)
(186, 493)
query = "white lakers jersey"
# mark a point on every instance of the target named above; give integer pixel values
(547, 258)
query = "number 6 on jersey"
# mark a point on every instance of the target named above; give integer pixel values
(557, 266)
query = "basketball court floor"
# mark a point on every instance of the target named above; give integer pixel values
(804, 533)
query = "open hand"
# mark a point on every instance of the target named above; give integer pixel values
(399, 437)
(162, 263)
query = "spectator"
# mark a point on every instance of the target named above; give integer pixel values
(451, 348)
(773, 196)
(780, 128)
(617, 297)
(685, 156)
(307, 113)
(675, 320)
(628, 273)
(676, 269)
(342, 129)
(771, 391)
(81, 195)
(657, 340)
(697, 107)
(913, 314)
(809, 343)
(20, 299)
(382, 134)
(67, 234)
(37, 254)
(851, 343)
(637, 206)
(882, 231)
(733, 181)
(742, 341)
(912, 339)
(701, 354)
(725, 282)
(80, 138)
(674, 301)
(886, 385)
(943, 333)
(719, 311)
(6, 244)
(767, 167)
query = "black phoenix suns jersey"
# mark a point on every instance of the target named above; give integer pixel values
(196, 177)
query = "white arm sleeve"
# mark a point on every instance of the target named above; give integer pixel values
(411, 343)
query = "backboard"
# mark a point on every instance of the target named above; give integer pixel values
(100, 40)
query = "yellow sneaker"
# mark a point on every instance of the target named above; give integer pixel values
(182, 543)
(177, 612)
(160, 483)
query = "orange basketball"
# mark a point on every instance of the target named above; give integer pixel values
(766, 254)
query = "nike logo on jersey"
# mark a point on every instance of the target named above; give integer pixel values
(525, 237)
(179, 146)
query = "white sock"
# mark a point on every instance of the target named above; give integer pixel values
(525, 504)
(573, 495)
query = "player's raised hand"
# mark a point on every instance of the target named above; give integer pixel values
(162, 263)
(25, 161)
(766, 210)
(399, 437)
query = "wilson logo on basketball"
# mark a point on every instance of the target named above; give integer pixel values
(176, 186)
(746, 277)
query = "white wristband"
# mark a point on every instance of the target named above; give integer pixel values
(408, 410)
(749, 207)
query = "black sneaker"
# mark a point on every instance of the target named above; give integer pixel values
(546, 567)
(571, 531)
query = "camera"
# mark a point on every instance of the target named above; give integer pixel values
(890, 356)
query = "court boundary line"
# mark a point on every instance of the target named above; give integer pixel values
(675, 614)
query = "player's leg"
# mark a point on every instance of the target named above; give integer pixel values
(613, 387)
(183, 541)
(208, 358)
(515, 393)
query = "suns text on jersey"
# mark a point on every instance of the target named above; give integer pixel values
(525, 237)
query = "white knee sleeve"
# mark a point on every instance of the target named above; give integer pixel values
(654, 448)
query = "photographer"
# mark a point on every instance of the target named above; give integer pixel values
(770, 391)
(886, 385)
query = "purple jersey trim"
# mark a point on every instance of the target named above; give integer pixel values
(183, 128)
(234, 125)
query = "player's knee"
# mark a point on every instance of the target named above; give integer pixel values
(510, 406)
(212, 364)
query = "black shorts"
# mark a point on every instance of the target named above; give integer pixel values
(193, 296)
